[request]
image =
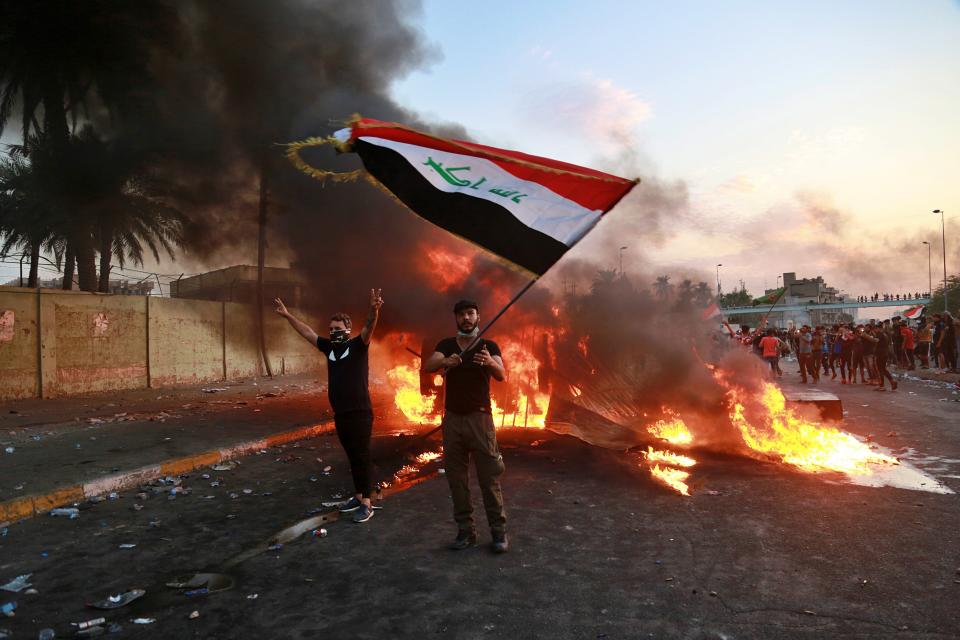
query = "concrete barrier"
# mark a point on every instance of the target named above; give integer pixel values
(60, 343)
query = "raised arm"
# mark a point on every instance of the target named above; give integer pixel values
(376, 301)
(302, 328)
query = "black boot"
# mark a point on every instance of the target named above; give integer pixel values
(500, 543)
(465, 540)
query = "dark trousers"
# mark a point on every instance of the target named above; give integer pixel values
(469, 435)
(882, 371)
(354, 430)
(808, 365)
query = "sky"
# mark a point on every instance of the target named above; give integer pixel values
(804, 133)
(813, 137)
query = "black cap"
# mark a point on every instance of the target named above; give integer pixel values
(465, 304)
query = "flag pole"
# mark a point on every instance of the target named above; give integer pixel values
(763, 322)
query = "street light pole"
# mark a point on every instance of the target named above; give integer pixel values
(943, 232)
(718, 281)
(929, 270)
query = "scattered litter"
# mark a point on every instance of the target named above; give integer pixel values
(4, 532)
(327, 469)
(567, 527)
(202, 591)
(137, 507)
(8, 609)
(113, 495)
(46, 634)
(143, 620)
(275, 547)
(713, 492)
(205, 476)
(96, 499)
(18, 584)
(892, 434)
(441, 471)
(66, 512)
(713, 594)
(234, 496)
(313, 478)
(214, 389)
(247, 491)
(89, 623)
(319, 533)
(117, 601)
(327, 505)
(253, 596)
(31, 591)
(225, 466)
(9, 449)
(127, 545)
(809, 613)
(194, 615)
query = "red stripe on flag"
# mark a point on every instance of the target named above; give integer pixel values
(589, 188)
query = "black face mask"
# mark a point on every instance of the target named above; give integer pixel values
(339, 336)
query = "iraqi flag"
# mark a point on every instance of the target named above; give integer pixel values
(525, 209)
(914, 312)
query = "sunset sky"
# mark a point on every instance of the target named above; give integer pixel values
(814, 137)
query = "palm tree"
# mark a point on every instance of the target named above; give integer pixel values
(24, 221)
(137, 220)
(662, 287)
(702, 294)
(65, 59)
(603, 281)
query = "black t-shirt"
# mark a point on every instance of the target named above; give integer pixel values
(347, 374)
(468, 385)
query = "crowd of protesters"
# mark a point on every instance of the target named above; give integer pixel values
(888, 297)
(860, 353)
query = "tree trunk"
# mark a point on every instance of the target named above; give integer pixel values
(33, 280)
(106, 244)
(86, 263)
(69, 267)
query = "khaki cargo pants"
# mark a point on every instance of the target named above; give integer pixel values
(467, 434)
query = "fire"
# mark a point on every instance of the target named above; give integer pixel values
(428, 456)
(667, 457)
(406, 383)
(521, 404)
(674, 430)
(673, 478)
(799, 442)
(530, 406)
(449, 269)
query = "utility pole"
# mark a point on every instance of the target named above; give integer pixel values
(261, 256)
(929, 270)
(943, 232)
(718, 280)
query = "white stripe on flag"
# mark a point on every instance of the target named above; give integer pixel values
(531, 203)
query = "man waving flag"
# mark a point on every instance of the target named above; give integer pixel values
(525, 209)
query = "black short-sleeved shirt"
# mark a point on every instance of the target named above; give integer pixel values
(468, 385)
(347, 374)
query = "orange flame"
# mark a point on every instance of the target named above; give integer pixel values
(674, 430)
(673, 478)
(799, 442)
(667, 457)
(449, 269)
(406, 383)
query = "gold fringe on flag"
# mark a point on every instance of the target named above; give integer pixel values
(293, 155)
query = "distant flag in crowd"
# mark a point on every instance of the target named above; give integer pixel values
(914, 312)
(770, 298)
(525, 209)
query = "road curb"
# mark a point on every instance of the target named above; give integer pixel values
(25, 507)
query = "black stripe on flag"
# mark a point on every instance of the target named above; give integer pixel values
(482, 222)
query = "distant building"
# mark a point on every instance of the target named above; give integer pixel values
(117, 287)
(808, 291)
(239, 284)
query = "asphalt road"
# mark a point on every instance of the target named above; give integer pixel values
(599, 550)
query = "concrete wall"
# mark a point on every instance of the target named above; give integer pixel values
(57, 343)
